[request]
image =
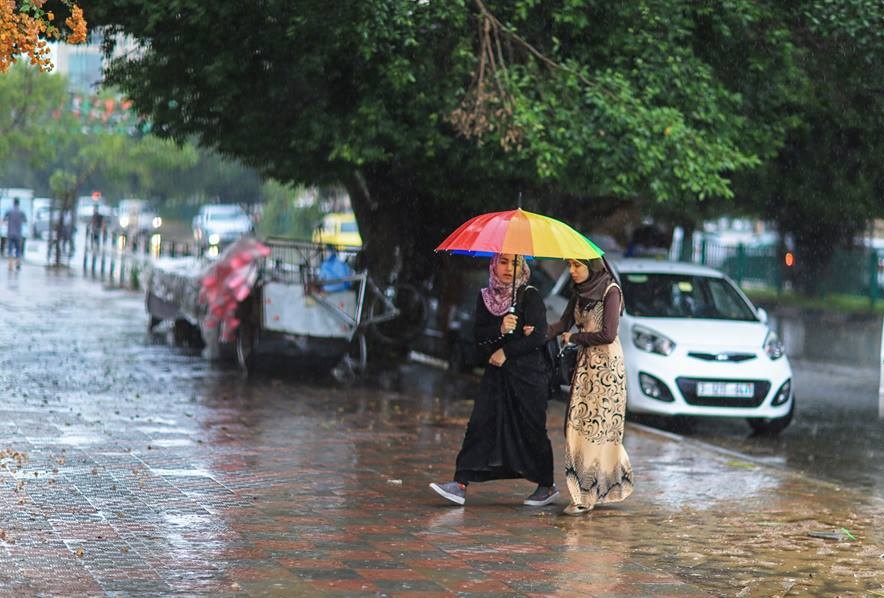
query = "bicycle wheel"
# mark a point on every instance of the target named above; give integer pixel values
(412, 318)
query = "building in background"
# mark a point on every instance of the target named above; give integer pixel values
(83, 64)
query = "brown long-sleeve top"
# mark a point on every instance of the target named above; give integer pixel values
(610, 322)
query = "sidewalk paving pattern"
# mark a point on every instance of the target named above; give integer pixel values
(131, 468)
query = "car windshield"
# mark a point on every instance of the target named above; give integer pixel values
(683, 296)
(228, 214)
(349, 227)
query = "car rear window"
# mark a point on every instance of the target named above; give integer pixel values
(683, 296)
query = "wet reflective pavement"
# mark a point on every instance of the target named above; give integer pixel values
(134, 468)
(837, 433)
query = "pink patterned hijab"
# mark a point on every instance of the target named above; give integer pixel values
(498, 295)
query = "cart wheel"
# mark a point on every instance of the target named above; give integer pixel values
(359, 353)
(352, 366)
(412, 318)
(245, 349)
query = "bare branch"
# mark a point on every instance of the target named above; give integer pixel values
(522, 42)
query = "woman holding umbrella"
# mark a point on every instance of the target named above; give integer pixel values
(506, 436)
(597, 468)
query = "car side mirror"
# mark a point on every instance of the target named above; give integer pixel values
(762, 314)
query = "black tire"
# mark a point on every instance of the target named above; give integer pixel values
(411, 321)
(180, 332)
(771, 426)
(152, 323)
(681, 424)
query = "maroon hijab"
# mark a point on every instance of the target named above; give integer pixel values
(498, 295)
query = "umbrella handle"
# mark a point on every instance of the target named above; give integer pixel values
(512, 308)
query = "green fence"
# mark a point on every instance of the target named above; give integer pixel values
(857, 272)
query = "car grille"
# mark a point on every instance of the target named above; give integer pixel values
(688, 388)
(722, 357)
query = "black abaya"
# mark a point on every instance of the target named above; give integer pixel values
(506, 436)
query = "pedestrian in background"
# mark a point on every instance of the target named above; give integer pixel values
(506, 436)
(334, 268)
(15, 220)
(597, 468)
(67, 231)
(96, 228)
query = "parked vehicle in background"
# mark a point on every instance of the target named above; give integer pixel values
(695, 345)
(86, 205)
(41, 224)
(136, 217)
(339, 229)
(217, 225)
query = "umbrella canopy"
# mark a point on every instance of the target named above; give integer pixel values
(520, 233)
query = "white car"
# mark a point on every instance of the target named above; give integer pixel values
(217, 225)
(695, 345)
(136, 217)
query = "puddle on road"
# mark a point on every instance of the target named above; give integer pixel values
(182, 473)
(171, 442)
(79, 440)
(189, 520)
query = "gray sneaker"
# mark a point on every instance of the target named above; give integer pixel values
(542, 496)
(453, 491)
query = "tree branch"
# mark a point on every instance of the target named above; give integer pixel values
(524, 43)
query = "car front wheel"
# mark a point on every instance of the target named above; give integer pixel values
(772, 426)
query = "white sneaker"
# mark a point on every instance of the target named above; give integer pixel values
(453, 491)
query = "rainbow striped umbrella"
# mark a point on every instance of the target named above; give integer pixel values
(520, 233)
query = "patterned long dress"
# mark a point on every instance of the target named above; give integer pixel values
(597, 468)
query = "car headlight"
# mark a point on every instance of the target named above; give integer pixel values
(214, 239)
(157, 222)
(652, 342)
(124, 221)
(773, 346)
(783, 394)
(654, 388)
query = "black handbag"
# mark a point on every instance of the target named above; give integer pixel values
(561, 362)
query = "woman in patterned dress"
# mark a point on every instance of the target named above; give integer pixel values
(597, 468)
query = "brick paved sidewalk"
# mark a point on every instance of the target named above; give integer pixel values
(148, 472)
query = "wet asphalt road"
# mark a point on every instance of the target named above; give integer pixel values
(129, 467)
(836, 435)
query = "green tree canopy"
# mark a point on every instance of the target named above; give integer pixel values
(827, 182)
(30, 106)
(428, 111)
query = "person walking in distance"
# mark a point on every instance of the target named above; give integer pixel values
(506, 436)
(15, 220)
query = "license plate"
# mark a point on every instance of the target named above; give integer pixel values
(726, 389)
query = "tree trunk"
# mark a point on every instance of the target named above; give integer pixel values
(393, 217)
(814, 246)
